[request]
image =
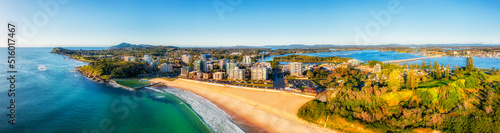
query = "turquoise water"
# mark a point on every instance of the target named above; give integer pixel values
(366, 55)
(59, 99)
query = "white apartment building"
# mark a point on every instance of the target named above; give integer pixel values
(236, 74)
(259, 73)
(247, 60)
(147, 59)
(186, 58)
(166, 68)
(295, 69)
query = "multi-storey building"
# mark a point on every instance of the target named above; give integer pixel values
(186, 58)
(262, 64)
(154, 65)
(185, 71)
(230, 66)
(200, 65)
(223, 64)
(207, 75)
(147, 59)
(236, 74)
(205, 57)
(259, 73)
(377, 68)
(209, 67)
(219, 75)
(247, 60)
(354, 62)
(166, 68)
(199, 75)
(295, 69)
(129, 58)
(192, 74)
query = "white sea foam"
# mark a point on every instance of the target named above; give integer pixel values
(42, 67)
(218, 120)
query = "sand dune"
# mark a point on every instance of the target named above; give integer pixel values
(254, 110)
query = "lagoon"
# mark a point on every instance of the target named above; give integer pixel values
(367, 55)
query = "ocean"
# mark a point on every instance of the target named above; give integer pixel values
(59, 99)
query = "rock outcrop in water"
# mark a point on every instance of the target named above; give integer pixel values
(95, 78)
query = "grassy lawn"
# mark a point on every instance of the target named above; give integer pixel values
(81, 58)
(494, 78)
(434, 83)
(259, 85)
(133, 83)
(337, 122)
(432, 91)
(169, 79)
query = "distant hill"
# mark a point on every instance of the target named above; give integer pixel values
(128, 45)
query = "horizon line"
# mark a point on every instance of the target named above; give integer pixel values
(270, 45)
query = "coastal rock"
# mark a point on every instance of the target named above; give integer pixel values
(93, 77)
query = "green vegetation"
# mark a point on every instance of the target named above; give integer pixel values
(169, 79)
(372, 63)
(434, 83)
(310, 59)
(114, 69)
(467, 101)
(495, 78)
(297, 50)
(395, 79)
(133, 83)
(258, 85)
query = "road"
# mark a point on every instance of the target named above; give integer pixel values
(278, 79)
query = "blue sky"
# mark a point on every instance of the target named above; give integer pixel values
(252, 22)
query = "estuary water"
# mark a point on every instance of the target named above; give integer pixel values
(367, 55)
(51, 96)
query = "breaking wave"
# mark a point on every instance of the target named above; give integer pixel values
(214, 117)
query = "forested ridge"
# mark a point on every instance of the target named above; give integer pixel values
(310, 59)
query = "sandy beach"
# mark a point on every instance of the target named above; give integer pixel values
(254, 110)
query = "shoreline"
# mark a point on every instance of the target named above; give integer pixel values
(252, 110)
(95, 78)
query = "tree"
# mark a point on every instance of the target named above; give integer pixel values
(423, 65)
(408, 80)
(405, 66)
(414, 80)
(190, 63)
(274, 63)
(437, 70)
(447, 72)
(310, 74)
(411, 80)
(394, 79)
(459, 72)
(331, 77)
(470, 64)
